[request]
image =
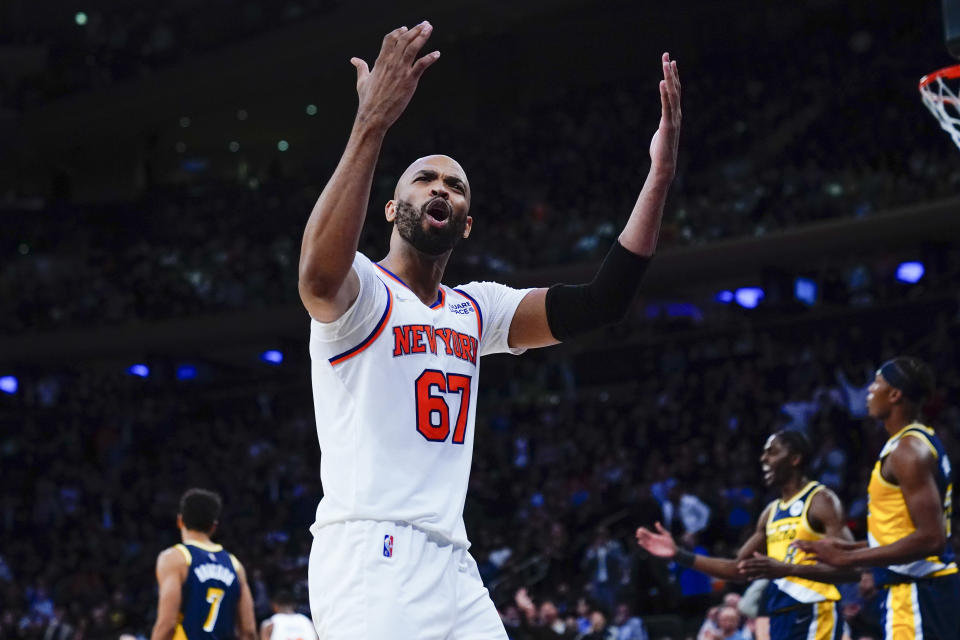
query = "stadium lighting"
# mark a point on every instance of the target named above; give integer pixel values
(725, 297)
(910, 272)
(139, 370)
(186, 372)
(80, 18)
(805, 290)
(748, 297)
(9, 384)
(312, 109)
(273, 356)
(283, 145)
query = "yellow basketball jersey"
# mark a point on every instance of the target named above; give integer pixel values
(888, 518)
(786, 523)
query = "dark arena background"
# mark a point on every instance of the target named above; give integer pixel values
(158, 162)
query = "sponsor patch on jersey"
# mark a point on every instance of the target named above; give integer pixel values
(388, 546)
(461, 308)
(796, 508)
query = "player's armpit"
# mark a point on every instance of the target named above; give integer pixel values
(171, 571)
(529, 328)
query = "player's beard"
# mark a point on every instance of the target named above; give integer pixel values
(431, 241)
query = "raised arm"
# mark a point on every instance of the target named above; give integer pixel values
(826, 516)
(327, 285)
(549, 316)
(662, 545)
(171, 572)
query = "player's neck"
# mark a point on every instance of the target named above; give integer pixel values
(189, 536)
(896, 421)
(419, 271)
(793, 486)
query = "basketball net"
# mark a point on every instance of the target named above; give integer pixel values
(940, 91)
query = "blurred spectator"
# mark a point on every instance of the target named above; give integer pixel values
(599, 629)
(605, 567)
(627, 625)
(862, 611)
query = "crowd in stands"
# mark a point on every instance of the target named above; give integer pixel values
(89, 48)
(770, 142)
(562, 462)
(563, 469)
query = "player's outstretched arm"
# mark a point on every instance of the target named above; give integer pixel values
(640, 234)
(246, 621)
(548, 316)
(171, 572)
(333, 230)
(662, 545)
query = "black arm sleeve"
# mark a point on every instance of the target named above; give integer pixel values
(573, 310)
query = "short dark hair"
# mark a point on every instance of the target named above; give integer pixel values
(283, 598)
(200, 509)
(797, 443)
(912, 376)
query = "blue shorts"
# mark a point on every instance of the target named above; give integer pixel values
(922, 610)
(820, 621)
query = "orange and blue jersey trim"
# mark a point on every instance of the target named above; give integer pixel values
(390, 274)
(476, 307)
(377, 330)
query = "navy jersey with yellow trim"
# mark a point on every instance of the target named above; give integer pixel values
(888, 518)
(211, 592)
(786, 523)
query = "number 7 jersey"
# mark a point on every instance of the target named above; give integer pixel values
(395, 395)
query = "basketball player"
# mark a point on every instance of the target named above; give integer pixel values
(803, 606)
(395, 361)
(908, 523)
(286, 623)
(203, 589)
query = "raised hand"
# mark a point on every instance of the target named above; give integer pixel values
(663, 146)
(660, 544)
(386, 90)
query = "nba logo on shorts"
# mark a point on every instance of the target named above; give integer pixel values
(388, 546)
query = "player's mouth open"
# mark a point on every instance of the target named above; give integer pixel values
(767, 473)
(437, 212)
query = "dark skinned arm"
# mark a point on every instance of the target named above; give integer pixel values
(911, 465)
(826, 516)
(661, 544)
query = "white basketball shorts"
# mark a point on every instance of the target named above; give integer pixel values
(374, 580)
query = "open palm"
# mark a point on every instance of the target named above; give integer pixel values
(659, 544)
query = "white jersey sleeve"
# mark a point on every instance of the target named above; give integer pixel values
(359, 319)
(497, 303)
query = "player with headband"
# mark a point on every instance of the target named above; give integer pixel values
(395, 363)
(908, 524)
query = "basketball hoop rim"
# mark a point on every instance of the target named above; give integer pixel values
(949, 73)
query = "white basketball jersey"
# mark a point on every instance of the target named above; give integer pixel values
(395, 395)
(292, 626)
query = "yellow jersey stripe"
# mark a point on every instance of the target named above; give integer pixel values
(186, 553)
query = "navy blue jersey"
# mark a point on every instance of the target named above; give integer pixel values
(208, 608)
